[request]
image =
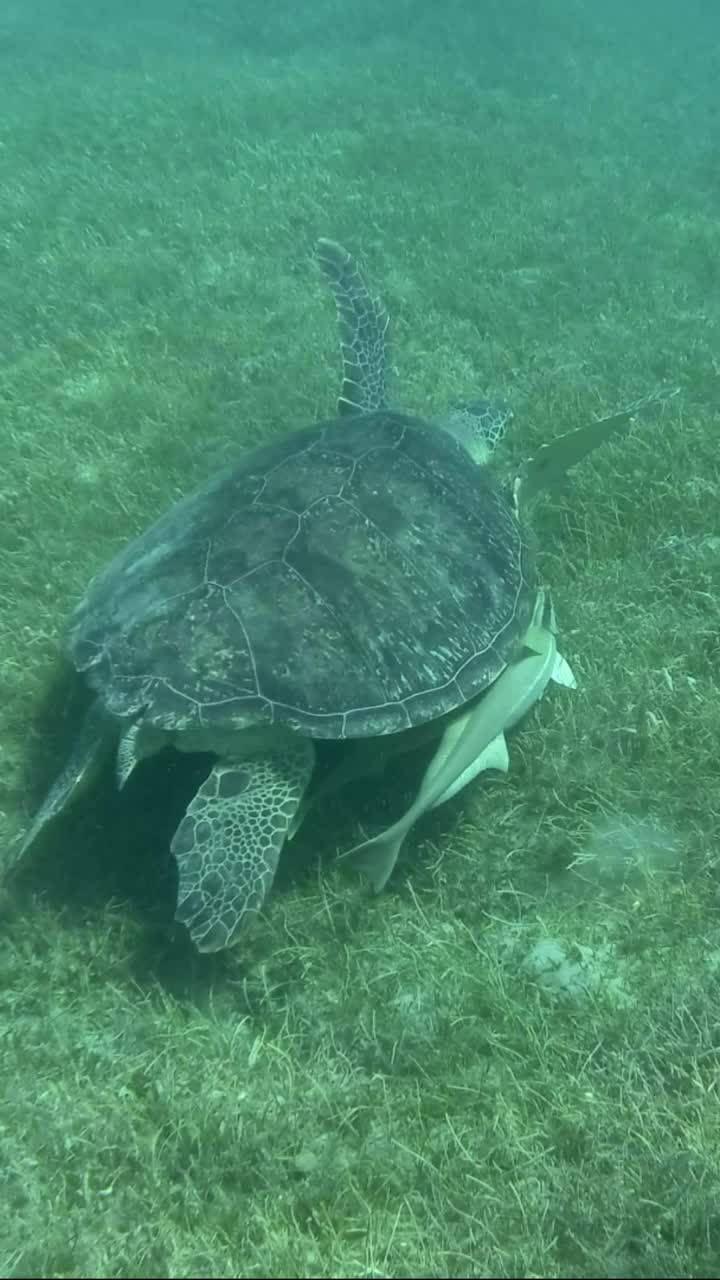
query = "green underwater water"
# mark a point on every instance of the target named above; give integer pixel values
(507, 1063)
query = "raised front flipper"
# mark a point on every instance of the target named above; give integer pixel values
(363, 324)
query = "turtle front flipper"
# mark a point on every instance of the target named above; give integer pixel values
(93, 743)
(228, 844)
(363, 324)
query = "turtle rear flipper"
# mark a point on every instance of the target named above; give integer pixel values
(93, 743)
(228, 844)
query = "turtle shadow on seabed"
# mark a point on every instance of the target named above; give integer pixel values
(111, 849)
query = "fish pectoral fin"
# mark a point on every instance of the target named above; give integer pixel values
(494, 756)
(562, 673)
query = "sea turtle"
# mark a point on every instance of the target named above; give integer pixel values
(359, 578)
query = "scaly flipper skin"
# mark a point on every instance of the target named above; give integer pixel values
(363, 325)
(228, 844)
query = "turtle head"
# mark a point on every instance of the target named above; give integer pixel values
(478, 425)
